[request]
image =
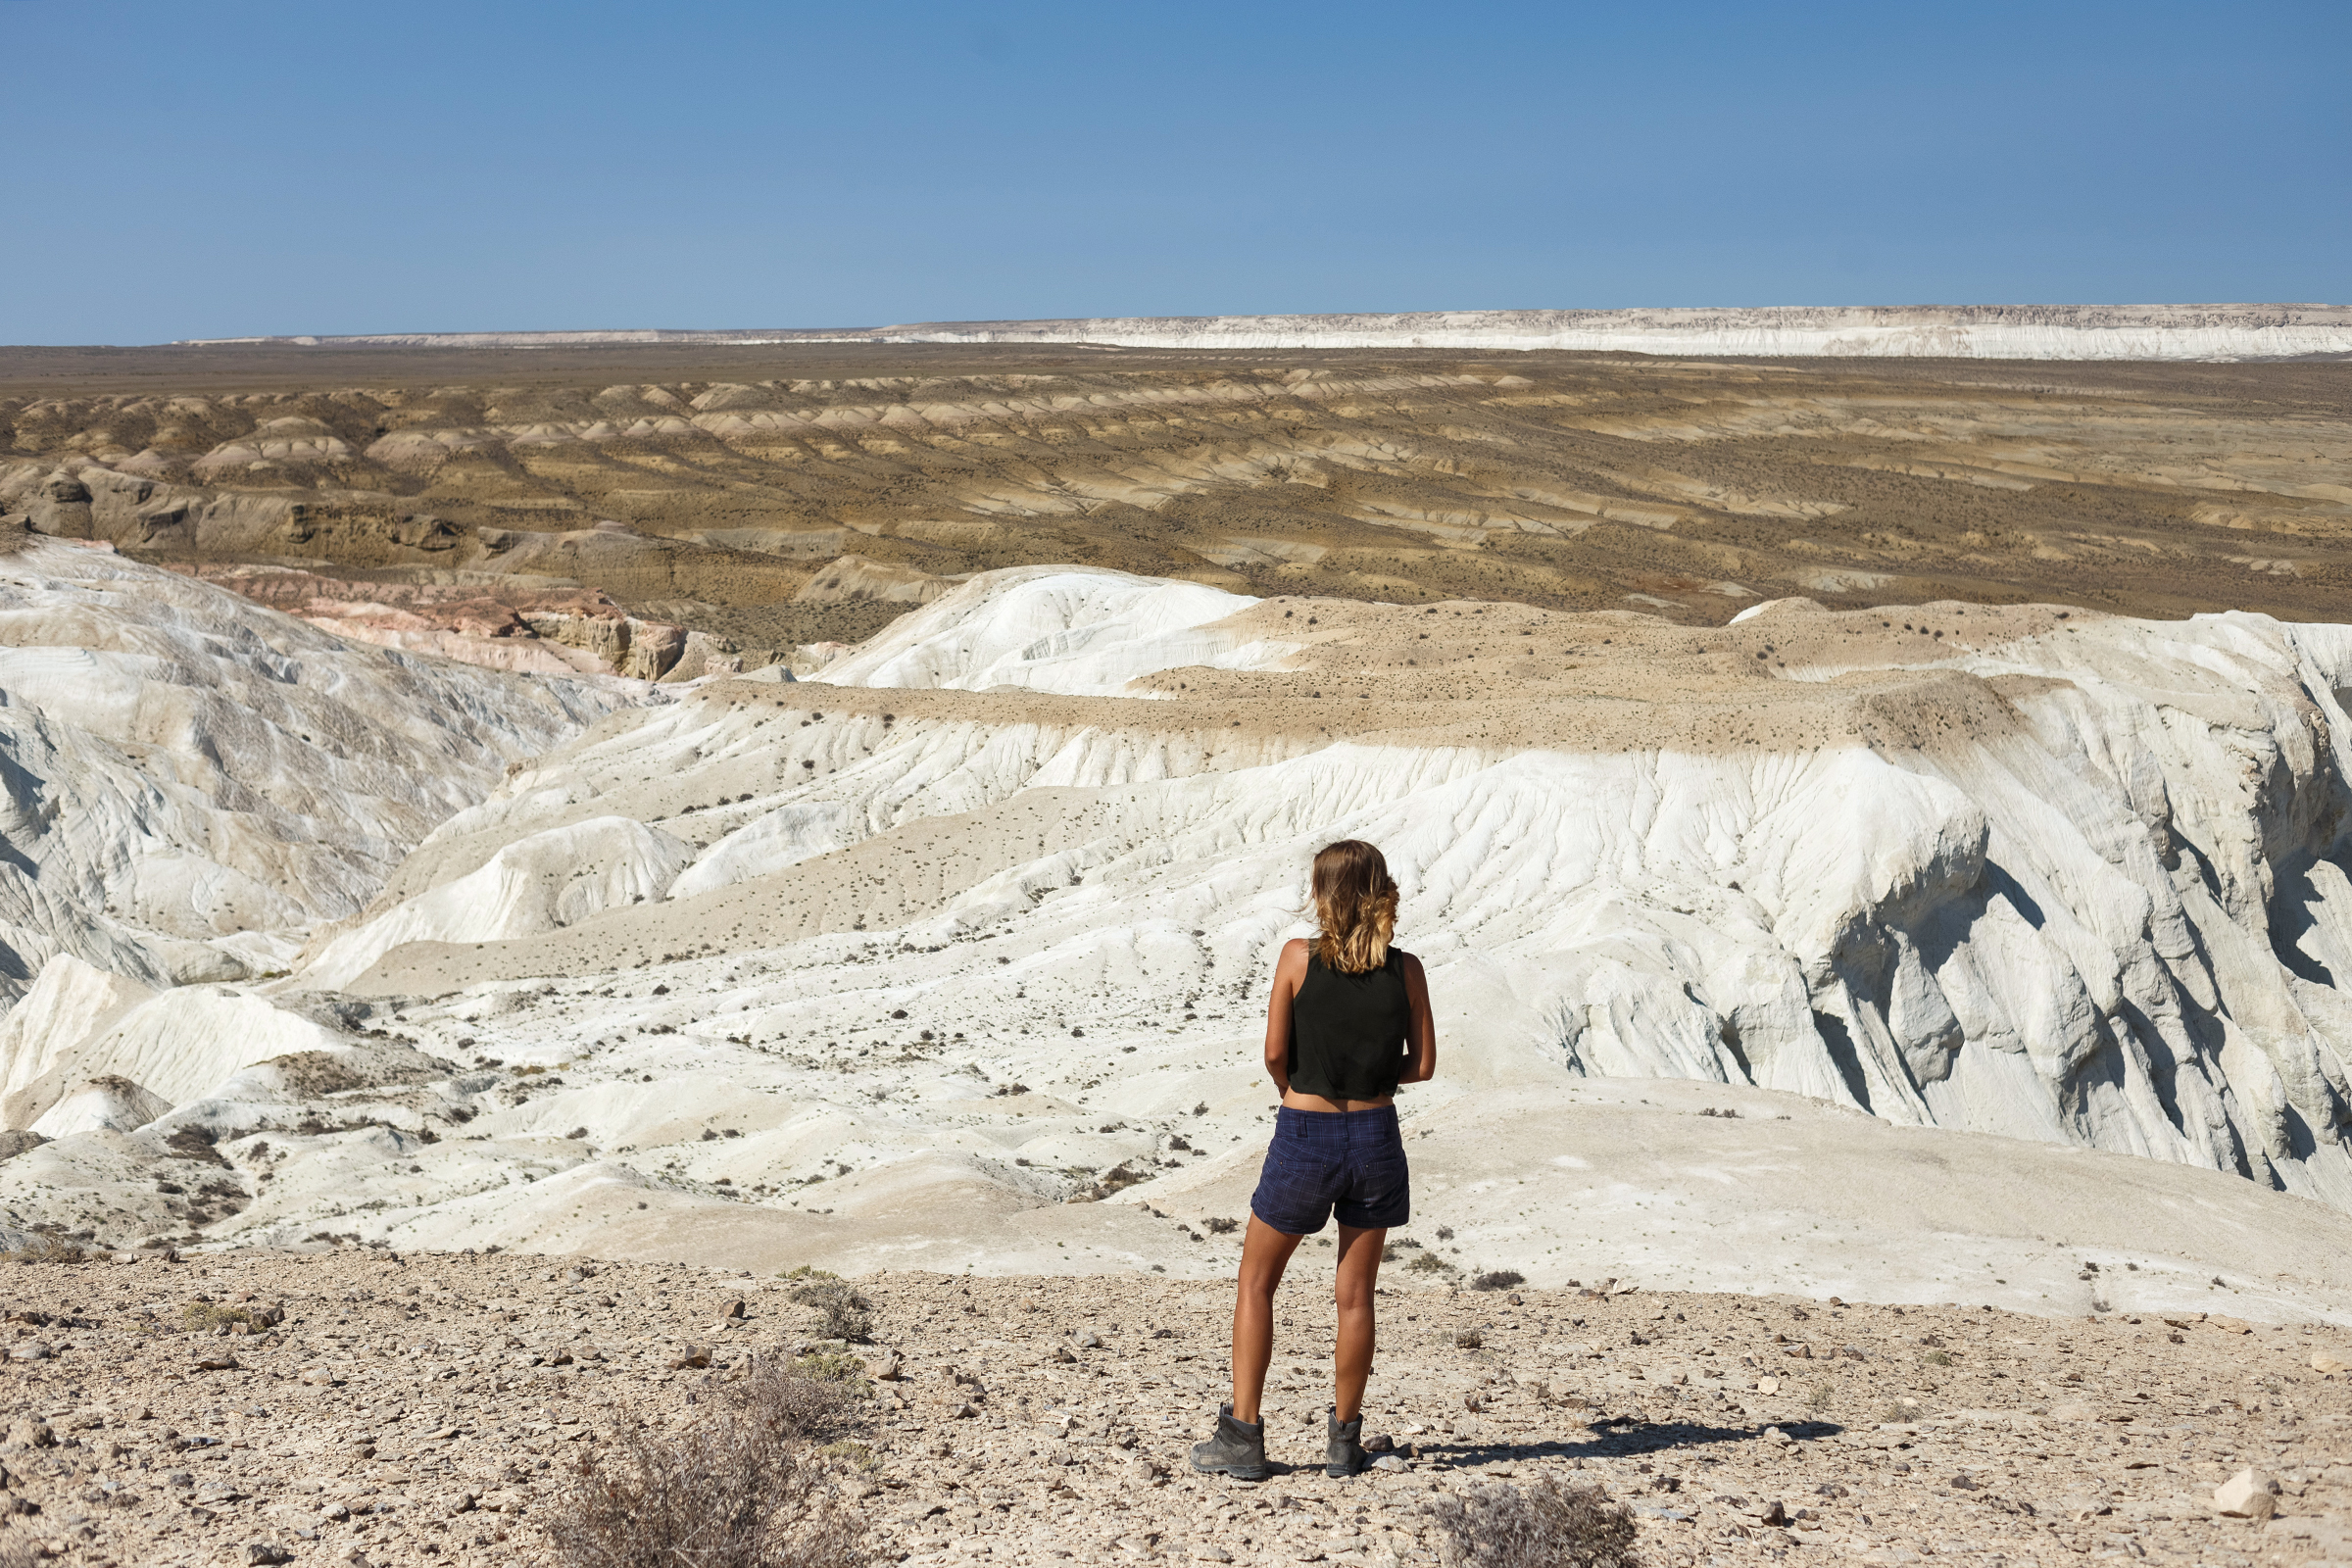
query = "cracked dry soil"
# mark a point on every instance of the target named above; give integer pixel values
(431, 1409)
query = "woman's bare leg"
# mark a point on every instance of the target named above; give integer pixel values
(1359, 1272)
(1265, 1254)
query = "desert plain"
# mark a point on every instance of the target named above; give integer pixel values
(519, 855)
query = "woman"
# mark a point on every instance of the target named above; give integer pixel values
(1347, 1022)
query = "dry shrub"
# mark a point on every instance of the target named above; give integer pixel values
(744, 1487)
(815, 1398)
(39, 1246)
(1497, 1279)
(841, 1313)
(1542, 1526)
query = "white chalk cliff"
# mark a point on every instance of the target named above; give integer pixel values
(970, 922)
(2121, 920)
(193, 784)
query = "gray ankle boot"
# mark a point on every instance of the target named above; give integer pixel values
(1239, 1449)
(1344, 1454)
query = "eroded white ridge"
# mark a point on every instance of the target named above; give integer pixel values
(2118, 921)
(192, 783)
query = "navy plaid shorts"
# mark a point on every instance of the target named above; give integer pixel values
(1322, 1162)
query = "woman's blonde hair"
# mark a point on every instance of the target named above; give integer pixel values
(1355, 905)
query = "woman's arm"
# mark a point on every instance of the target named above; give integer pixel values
(1421, 1045)
(1290, 972)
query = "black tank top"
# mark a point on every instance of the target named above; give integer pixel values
(1348, 1031)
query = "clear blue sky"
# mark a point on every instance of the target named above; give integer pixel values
(182, 169)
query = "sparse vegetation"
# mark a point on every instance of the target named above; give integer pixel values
(830, 1367)
(1220, 1226)
(743, 1488)
(1468, 1340)
(40, 1246)
(202, 1317)
(841, 1313)
(1497, 1279)
(852, 1454)
(1542, 1525)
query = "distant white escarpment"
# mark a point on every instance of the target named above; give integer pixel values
(1910, 331)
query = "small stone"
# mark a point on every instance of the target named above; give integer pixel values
(2247, 1495)
(1089, 1341)
(1768, 1385)
(1391, 1463)
(684, 1356)
(215, 1362)
(262, 1552)
(30, 1350)
(733, 1309)
(321, 1377)
(499, 1502)
(1064, 1354)
(2326, 1365)
(1205, 1552)
(886, 1367)
(456, 1502)
(30, 1432)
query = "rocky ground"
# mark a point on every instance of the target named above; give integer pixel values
(363, 1406)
